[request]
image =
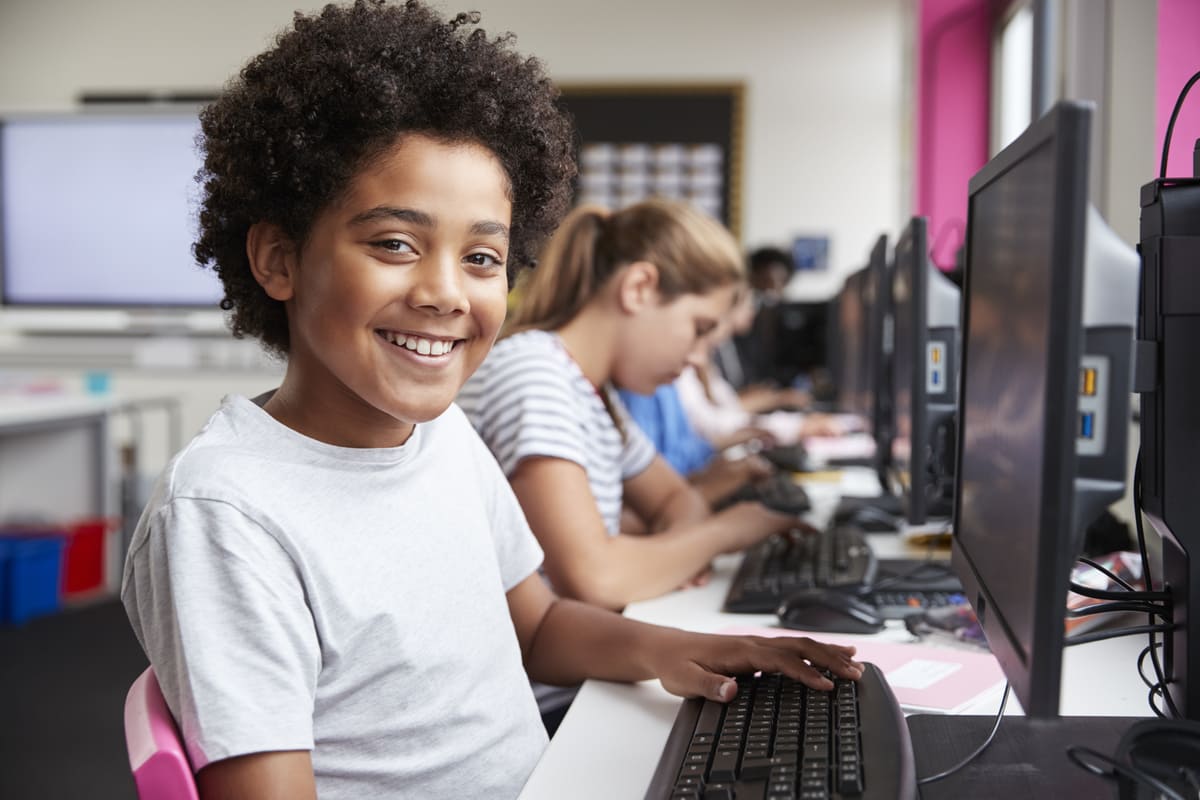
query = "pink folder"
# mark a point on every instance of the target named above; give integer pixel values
(923, 677)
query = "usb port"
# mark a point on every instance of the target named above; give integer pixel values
(1088, 382)
(935, 354)
(1087, 425)
(935, 378)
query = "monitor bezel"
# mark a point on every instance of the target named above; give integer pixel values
(21, 307)
(914, 237)
(1036, 678)
(848, 363)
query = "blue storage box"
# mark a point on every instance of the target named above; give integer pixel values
(32, 568)
(3, 580)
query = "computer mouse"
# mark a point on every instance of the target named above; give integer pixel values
(829, 610)
(872, 520)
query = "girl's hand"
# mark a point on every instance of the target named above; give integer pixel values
(702, 665)
(822, 425)
(747, 523)
(699, 579)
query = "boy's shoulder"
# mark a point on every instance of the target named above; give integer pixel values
(228, 449)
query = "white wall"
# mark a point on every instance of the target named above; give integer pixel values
(823, 104)
(823, 120)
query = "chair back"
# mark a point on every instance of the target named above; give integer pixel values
(156, 753)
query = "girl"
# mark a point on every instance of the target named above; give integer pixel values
(628, 298)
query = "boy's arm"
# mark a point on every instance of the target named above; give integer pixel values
(564, 642)
(285, 775)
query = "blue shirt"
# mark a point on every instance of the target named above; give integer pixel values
(664, 422)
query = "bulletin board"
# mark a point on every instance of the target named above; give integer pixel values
(674, 140)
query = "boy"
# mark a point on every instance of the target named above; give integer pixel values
(333, 582)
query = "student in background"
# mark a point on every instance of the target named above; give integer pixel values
(334, 583)
(719, 413)
(747, 358)
(717, 477)
(625, 298)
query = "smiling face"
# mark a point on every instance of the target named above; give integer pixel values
(396, 296)
(663, 338)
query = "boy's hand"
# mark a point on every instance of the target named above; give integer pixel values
(701, 665)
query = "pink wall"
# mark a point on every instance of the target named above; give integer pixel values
(1178, 60)
(953, 88)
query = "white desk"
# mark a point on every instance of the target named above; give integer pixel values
(611, 738)
(58, 462)
(53, 456)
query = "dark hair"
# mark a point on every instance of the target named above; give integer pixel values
(300, 120)
(764, 257)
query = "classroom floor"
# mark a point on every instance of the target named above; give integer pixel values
(63, 680)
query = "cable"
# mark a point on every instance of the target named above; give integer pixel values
(1137, 521)
(1112, 607)
(937, 776)
(1100, 636)
(1114, 577)
(1162, 685)
(1106, 594)
(1156, 689)
(1162, 171)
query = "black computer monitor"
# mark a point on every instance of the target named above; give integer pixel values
(879, 348)
(1169, 383)
(925, 309)
(864, 343)
(851, 373)
(98, 210)
(1049, 306)
(797, 337)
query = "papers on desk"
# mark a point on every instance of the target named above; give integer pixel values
(923, 677)
(934, 534)
(823, 449)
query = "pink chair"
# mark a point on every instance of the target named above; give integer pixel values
(156, 752)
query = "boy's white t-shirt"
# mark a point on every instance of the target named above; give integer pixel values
(294, 595)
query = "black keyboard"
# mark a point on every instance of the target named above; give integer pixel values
(780, 740)
(790, 458)
(781, 565)
(779, 492)
(903, 603)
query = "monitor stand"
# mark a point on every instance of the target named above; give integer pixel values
(1027, 759)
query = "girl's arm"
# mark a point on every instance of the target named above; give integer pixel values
(564, 642)
(584, 562)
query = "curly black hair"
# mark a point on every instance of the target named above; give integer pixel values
(300, 120)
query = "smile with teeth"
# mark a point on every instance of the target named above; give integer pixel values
(418, 344)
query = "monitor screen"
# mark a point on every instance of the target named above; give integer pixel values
(1020, 374)
(798, 339)
(99, 210)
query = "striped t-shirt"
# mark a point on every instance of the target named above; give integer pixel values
(529, 398)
